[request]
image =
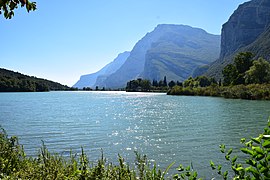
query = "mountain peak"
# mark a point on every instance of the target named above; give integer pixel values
(169, 50)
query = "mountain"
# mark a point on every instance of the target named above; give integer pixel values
(96, 79)
(178, 52)
(134, 65)
(169, 50)
(11, 81)
(248, 29)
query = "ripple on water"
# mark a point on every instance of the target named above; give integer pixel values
(166, 128)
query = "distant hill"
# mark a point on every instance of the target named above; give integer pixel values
(170, 50)
(96, 79)
(248, 29)
(11, 81)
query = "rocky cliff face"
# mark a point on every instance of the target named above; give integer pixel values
(134, 65)
(246, 30)
(244, 26)
(179, 52)
(170, 50)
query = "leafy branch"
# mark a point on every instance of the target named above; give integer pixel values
(7, 7)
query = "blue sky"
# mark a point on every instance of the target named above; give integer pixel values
(63, 40)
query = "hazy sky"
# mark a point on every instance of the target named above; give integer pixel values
(64, 39)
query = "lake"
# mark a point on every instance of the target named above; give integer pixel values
(167, 129)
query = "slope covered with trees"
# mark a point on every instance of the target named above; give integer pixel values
(11, 81)
(245, 78)
(248, 29)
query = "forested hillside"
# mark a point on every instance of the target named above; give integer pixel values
(11, 81)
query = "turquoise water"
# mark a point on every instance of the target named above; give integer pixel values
(168, 129)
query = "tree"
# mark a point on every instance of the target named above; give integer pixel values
(171, 84)
(205, 81)
(160, 83)
(179, 83)
(145, 85)
(230, 74)
(234, 73)
(138, 85)
(243, 61)
(7, 7)
(189, 82)
(258, 73)
(155, 83)
(165, 81)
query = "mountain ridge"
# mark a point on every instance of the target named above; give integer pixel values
(95, 79)
(170, 40)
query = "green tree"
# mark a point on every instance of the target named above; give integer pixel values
(171, 84)
(234, 73)
(189, 82)
(230, 74)
(204, 81)
(155, 83)
(258, 73)
(165, 81)
(243, 61)
(7, 7)
(145, 85)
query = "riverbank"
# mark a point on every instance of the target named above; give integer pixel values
(250, 92)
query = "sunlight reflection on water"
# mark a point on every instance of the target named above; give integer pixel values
(166, 128)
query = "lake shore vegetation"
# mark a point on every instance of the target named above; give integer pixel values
(14, 164)
(246, 78)
(145, 85)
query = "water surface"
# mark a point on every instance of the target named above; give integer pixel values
(168, 129)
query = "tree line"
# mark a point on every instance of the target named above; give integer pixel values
(145, 85)
(16, 82)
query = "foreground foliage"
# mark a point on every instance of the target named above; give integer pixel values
(14, 164)
(7, 7)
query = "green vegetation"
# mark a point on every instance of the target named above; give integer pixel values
(15, 82)
(7, 7)
(251, 91)
(257, 158)
(245, 79)
(245, 70)
(14, 164)
(144, 85)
